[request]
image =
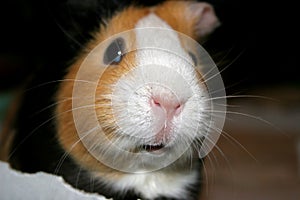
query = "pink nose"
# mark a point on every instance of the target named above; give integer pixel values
(171, 106)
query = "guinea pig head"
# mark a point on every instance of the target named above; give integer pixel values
(149, 99)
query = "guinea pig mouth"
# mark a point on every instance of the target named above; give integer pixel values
(152, 148)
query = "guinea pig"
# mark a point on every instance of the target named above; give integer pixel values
(128, 117)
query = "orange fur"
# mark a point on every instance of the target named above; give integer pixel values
(175, 13)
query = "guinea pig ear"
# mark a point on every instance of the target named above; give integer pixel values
(204, 18)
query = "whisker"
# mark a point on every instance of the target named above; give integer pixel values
(103, 97)
(92, 183)
(58, 81)
(67, 34)
(233, 141)
(233, 60)
(212, 166)
(228, 105)
(214, 75)
(250, 116)
(42, 124)
(218, 149)
(64, 156)
(226, 55)
(78, 177)
(56, 103)
(205, 175)
(243, 96)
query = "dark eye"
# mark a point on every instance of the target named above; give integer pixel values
(193, 57)
(114, 52)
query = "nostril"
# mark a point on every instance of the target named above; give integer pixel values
(178, 109)
(156, 102)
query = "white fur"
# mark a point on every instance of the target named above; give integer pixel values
(158, 184)
(155, 184)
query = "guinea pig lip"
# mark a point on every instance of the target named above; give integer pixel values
(157, 148)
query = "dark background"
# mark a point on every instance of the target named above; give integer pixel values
(256, 46)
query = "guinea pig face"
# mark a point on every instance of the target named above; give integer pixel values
(159, 101)
(151, 100)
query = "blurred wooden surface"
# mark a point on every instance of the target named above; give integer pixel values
(271, 174)
(259, 160)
